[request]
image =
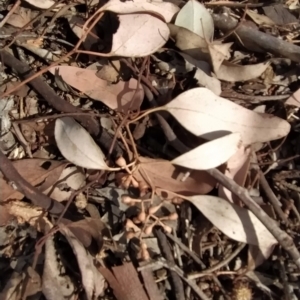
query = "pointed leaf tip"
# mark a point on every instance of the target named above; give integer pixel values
(211, 154)
(77, 146)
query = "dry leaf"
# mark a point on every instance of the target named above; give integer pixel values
(169, 177)
(35, 171)
(139, 35)
(54, 285)
(43, 53)
(92, 280)
(211, 154)
(189, 42)
(43, 4)
(121, 96)
(232, 73)
(166, 9)
(259, 19)
(205, 114)
(236, 222)
(76, 23)
(195, 17)
(77, 146)
(5, 216)
(73, 178)
(21, 17)
(237, 168)
(218, 53)
(258, 255)
(201, 74)
(294, 99)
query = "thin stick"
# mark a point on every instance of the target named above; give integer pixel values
(12, 10)
(282, 237)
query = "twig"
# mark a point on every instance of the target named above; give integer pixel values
(252, 98)
(11, 11)
(166, 251)
(219, 265)
(233, 4)
(40, 86)
(32, 193)
(282, 237)
(187, 250)
(45, 69)
(284, 278)
(174, 268)
(271, 196)
(256, 40)
(22, 140)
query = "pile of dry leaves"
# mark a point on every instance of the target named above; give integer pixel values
(149, 149)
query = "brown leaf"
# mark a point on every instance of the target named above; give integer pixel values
(21, 17)
(151, 285)
(91, 227)
(125, 282)
(5, 216)
(167, 176)
(35, 171)
(120, 96)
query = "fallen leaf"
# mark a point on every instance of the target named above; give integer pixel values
(236, 222)
(125, 282)
(72, 177)
(169, 177)
(237, 169)
(258, 255)
(43, 4)
(166, 9)
(189, 42)
(54, 285)
(201, 74)
(218, 53)
(77, 146)
(92, 280)
(121, 96)
(232, 73)
(38, 172)
(259, 19)
(139, 35)
(5, 216)
(37, 50)
(294, 99)
(21, 17)
(76, 24)
(195, 17)
(211, 154)
(205, 114)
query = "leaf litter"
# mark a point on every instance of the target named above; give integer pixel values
(162, 150)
